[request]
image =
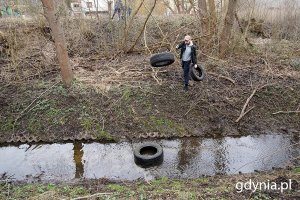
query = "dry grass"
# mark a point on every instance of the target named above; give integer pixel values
(28, 51)
(282, 20)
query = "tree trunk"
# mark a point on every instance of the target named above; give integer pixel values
(97, 9)
(109, 9)
(167, 4)
(191, 7)
(224, 8)
(183, 10)
(127, 28)
(228, 23)
(212, 17)
(177, 4)
(202, 10)
(60, 42)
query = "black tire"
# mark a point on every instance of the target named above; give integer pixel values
(144, 160)
(162, 59)
(197, 74)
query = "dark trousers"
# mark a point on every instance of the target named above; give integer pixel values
(186, 70)
(117, 10)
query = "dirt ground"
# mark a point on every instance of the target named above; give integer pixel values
(117, 96)
(126, 99)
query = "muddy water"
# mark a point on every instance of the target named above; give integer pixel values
(183, 158)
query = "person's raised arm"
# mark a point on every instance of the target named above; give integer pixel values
(179, 46)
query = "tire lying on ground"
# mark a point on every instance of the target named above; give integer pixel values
(148, 154)
(162, 59)
(197, 74)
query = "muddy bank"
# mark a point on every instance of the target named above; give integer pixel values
(118, 96)
(140, 103)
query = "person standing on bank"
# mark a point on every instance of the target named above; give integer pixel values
(188, 55)
(118, 8)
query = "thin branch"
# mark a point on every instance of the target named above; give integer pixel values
(93, 195)
(242, 31)
(286, 112)
(167, 4)
(145, 40)
(124, 41)
(192, 106)
(161, 31)
(243, 112)
(154, 75)
(142, 30)
(224, 77)
(23, 111)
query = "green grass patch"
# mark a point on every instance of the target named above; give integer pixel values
(104, 135)
(162, 124)
(6, 124)
(297, 170)
(35, 190)
(118, 188)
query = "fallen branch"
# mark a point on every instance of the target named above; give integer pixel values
(286, 112)
(145, 40)
(224, 77)
(154, 75)
(153, 93)
(93, 195)
(243, 112)
(191, 107)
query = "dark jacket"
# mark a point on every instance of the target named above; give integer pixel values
(118, 4)
(182, 47)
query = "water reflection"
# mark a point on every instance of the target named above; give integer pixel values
(113, 161)
(78, 154)
(183, 158)
(187, 151)
(42, 162)
(295, 149)
(220, 156)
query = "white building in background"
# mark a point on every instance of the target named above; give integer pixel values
(84, 7)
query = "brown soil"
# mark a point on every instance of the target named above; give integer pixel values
(120, 96)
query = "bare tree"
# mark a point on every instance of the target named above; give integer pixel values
(177, 4)
(202, 10)
(228, 24)
(130, 22)
(143, 28)
(212, 17)
(59, 40)
(96, 3)
(167, 4)
(182, 6)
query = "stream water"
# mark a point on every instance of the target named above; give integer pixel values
(183, 158)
